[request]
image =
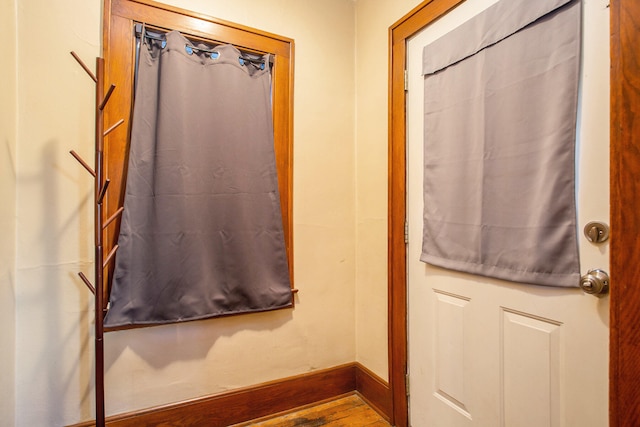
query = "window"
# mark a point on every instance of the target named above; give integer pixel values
(119, 40)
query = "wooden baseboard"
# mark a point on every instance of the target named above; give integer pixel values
(264, 399)
(374, 390)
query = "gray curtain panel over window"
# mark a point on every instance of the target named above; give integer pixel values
(501, 95)
(201, 234)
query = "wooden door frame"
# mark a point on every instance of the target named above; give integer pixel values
(624, 368)
(624, 350)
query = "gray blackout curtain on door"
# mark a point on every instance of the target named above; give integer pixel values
(501, 95)
(201, 234)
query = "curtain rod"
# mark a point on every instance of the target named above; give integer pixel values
(156, 33)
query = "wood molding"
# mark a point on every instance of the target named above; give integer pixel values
(399, 33)
(373, 390)
(263, 400)
(624, 371)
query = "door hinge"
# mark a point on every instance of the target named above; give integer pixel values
(406, 384)
(406, 231)
(406, 80)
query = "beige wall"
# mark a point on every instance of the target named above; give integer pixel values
(153, 366)
(340, 175)
(54, 216)
(217, 355)
(7, 210)
(340, 216)
(373, 19)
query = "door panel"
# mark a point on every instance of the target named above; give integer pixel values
(487, 352)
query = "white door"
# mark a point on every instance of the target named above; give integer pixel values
(486, 352)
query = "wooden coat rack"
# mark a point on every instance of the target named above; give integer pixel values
(101, 262)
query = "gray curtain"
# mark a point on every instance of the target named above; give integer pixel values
(201, 234)
(501, 95)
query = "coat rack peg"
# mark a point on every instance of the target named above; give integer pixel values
(106, 97)
(84, 66)
(103, 191)
(87, 282)
(109, 256)
(83, 163)
(112, 128)
(115, 215)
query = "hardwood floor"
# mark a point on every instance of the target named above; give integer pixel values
(347, 411)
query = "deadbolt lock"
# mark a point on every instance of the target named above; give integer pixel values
(596, 232)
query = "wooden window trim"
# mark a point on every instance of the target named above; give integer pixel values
(119, 19)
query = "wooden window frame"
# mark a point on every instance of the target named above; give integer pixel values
(118, 43)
